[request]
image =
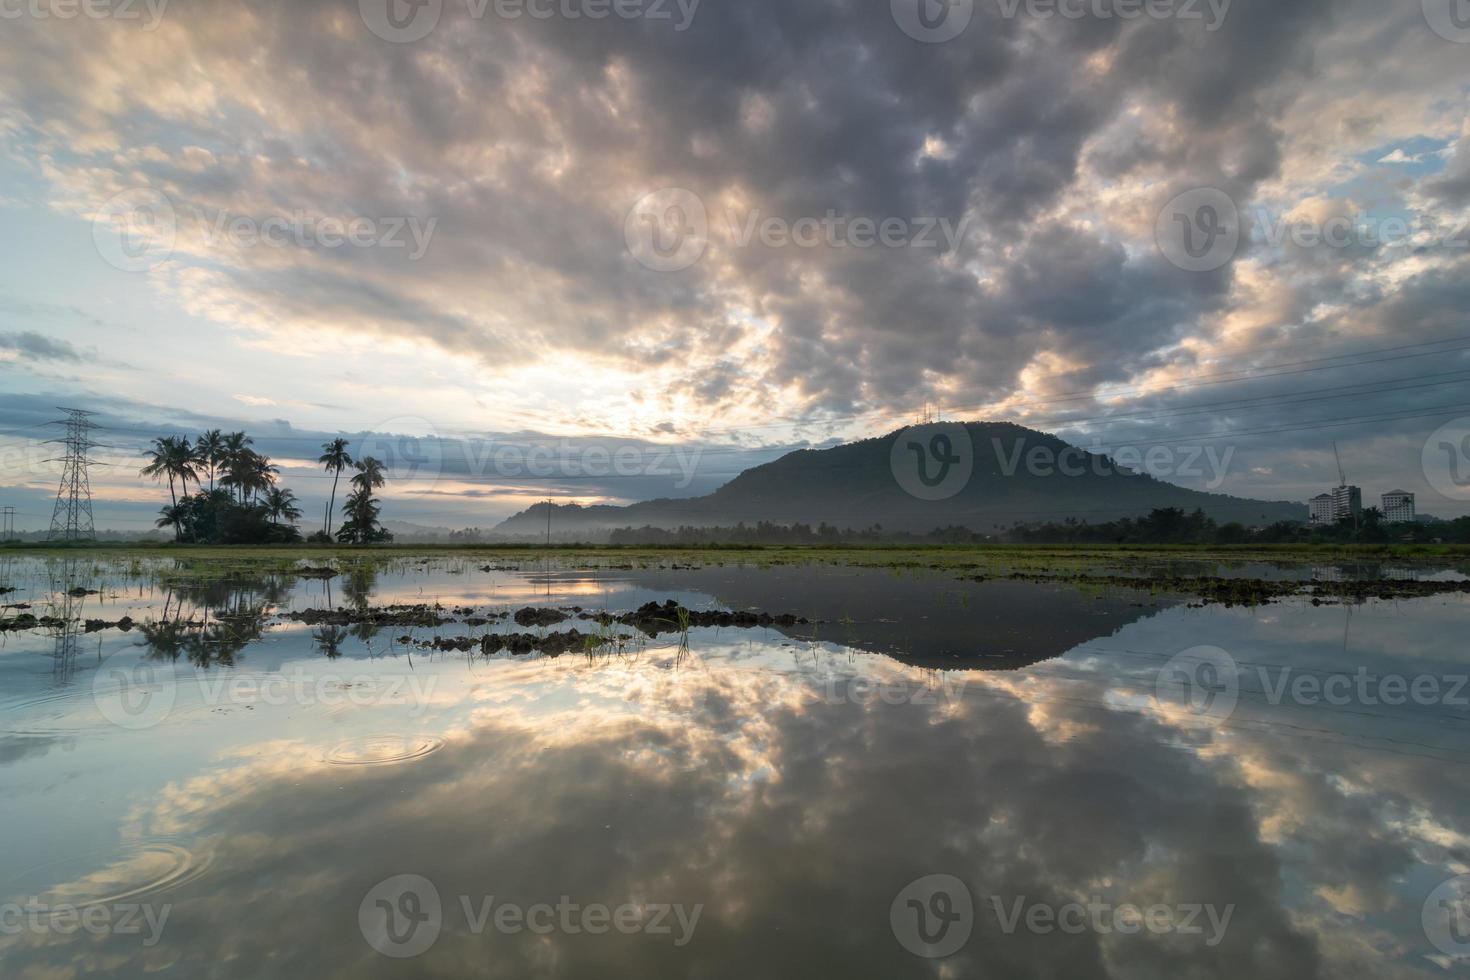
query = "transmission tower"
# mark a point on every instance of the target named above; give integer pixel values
(71, 519)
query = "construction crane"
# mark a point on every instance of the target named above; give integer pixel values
(1342, 484)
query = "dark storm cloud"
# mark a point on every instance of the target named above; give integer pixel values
(33, 346)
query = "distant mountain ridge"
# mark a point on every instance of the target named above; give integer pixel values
(1016, 475)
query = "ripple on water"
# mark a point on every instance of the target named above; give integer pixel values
(142, 869)
(382, 750)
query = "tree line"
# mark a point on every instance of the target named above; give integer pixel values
(243, 503)
(1166, 525)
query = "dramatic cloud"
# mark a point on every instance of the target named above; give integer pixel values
(480, 186)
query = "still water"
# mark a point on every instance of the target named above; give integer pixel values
(928, 777)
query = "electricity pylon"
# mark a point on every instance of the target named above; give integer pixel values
(71, 518)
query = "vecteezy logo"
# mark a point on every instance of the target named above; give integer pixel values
(933, 461)
(402, 916)
(409, 447)
(668, 230)
(1199, 231)
(1446, 459)
(1203, 680)
(933, 916)
(400, 21)
(133, 693)
(932, 21)
(1450, 19)
(135, 230)
(1446, 917)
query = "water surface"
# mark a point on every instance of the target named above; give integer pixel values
(286, 799)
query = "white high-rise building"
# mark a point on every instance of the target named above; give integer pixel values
(1398, 506)
(1347, 502)
(1320, 508)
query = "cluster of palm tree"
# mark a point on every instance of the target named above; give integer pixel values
(243, 504)
(360, 508)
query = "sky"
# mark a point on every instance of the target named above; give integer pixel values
(659, 242)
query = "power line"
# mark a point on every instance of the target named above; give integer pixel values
(1329, 393)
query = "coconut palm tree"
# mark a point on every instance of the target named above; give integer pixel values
(361, 507)
(171, 457)
(209, 452)
(173, 516)
(335, 459)
(233, 457)
(369, 474)
(282, 503)
(262, 475)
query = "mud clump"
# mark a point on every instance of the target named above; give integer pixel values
(532, 616)
(517, 644)
(421, 614)
(26, 621)
(96, 625)
(652, 618)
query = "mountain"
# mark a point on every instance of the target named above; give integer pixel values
(1015, 475)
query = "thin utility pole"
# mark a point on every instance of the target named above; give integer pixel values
(548, 522)
(9, 520)
(71, 518)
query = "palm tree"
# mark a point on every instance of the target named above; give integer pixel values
(173, 458)
(361, 508)
(209, 452)
(250, 474)
(234, 456)
(369, 474)
(336, 459)
(262, 474)
(282, 503)
(173, 516)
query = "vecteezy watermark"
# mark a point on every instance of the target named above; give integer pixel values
(405, 21)
(137, 694)
(403, 916)
(1207, 463)
(933, 916)
(935, 461)
(937, 21)
(1450, 19)
(139, 228)
(1446, 917)
(1199, 230)
(135, 230)
(669, 230)
(1207, 682)
(834, 230)
(1446, 459)
(1103, 917)
(97, 919)
(839, 689)
(1203, 681)
(90, 9)
(1202, 230)
(300, 229)
(425, 457)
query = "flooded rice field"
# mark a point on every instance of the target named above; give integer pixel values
(450, 767)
